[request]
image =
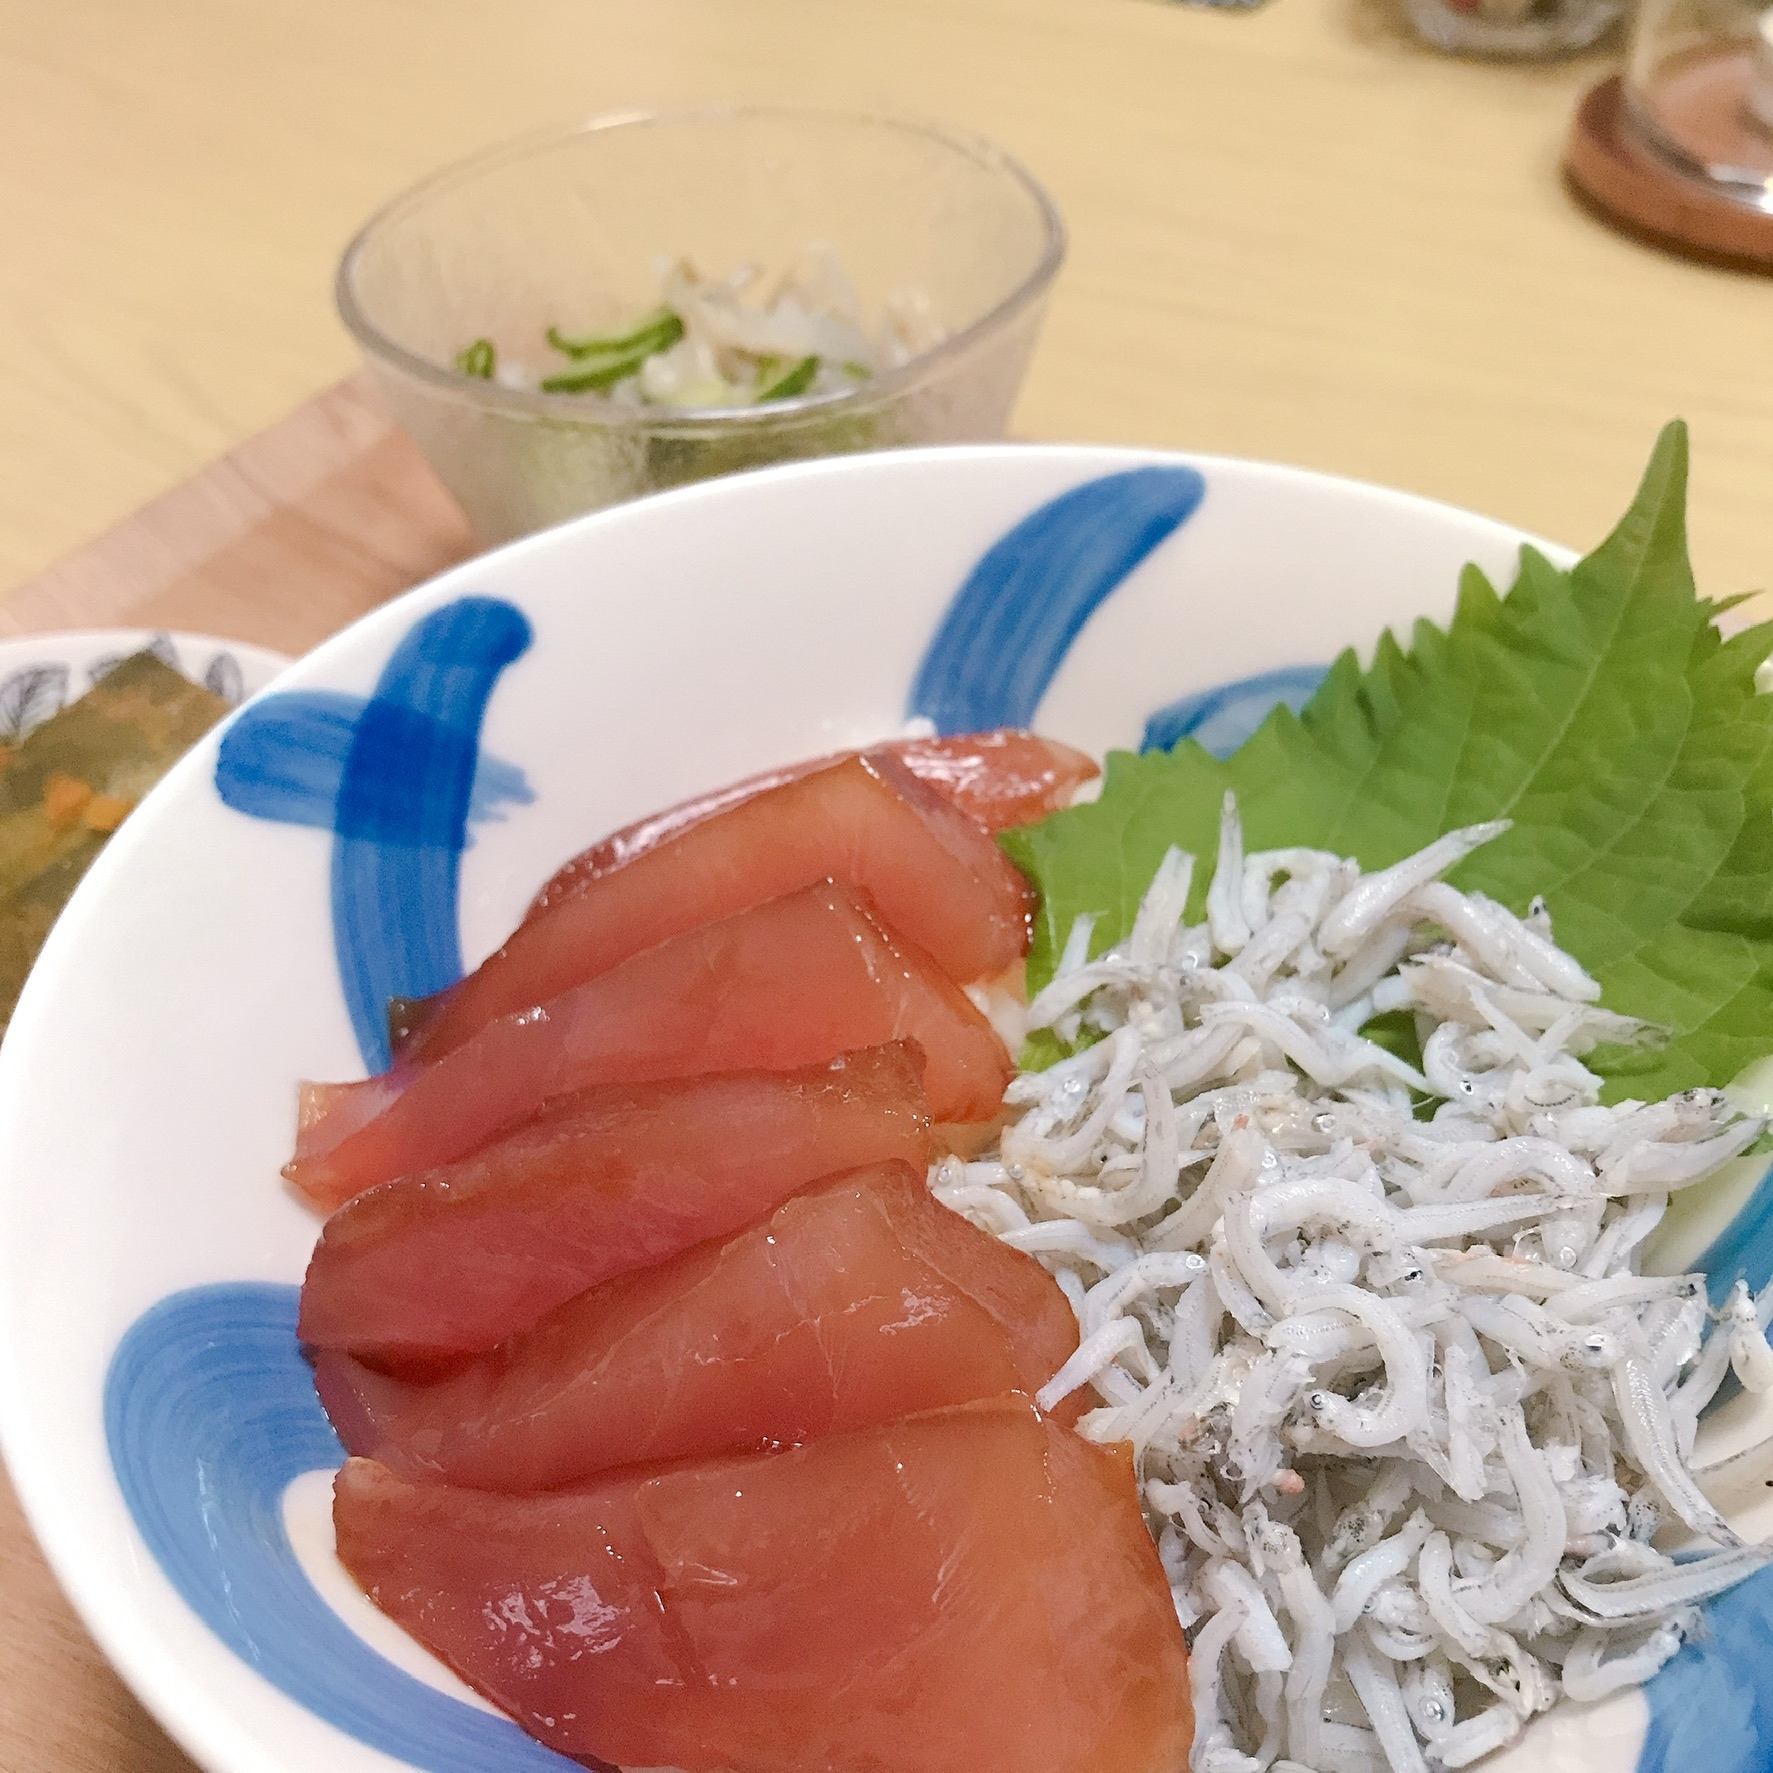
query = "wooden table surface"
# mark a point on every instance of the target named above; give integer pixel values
(1295, 234)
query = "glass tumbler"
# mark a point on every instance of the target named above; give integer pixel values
(1516, 29)
(1699, 93)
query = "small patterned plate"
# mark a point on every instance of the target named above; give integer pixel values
(40, 674)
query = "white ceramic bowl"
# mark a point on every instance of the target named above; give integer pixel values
(165, 1441)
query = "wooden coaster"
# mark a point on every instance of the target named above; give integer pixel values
(1631, 187)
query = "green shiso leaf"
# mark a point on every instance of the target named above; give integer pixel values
(1598, 708)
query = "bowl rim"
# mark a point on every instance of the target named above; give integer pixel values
(382, 350)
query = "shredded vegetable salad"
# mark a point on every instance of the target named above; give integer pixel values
(1412, 1426)
(727, 341)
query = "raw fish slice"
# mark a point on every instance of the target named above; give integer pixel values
(860, 1300)
(786, 984)
(617, 1177)
(1000, 778)
(931, 874)
(968, 1591)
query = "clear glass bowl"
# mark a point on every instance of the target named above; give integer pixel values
(570, 229)
(1699, 87)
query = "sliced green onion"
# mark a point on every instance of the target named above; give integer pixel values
(596, 377)
(659, 331)
(479, 359)
(860, 371)
(796, 381)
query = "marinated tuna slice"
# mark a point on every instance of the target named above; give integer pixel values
(860, 1300)
(932, 875)
(1001, 778)
(967, 1591)
(617, 1177)
(793, 982)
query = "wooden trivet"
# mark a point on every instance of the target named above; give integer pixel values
(1634, 189)
(285, 539)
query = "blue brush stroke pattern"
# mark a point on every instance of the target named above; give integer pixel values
(396, 778)
(1011, 624)
(210, 1413)
(284, 759)
(1743, 1250)
(1711, 1708)
(497, 785)
(1222, 719)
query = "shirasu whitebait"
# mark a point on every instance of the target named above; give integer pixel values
(1407, 1415)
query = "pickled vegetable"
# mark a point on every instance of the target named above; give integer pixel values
(69, 784)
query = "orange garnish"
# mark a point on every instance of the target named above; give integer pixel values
(64, 799)
(105, 812)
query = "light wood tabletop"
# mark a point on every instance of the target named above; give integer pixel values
(1295, 234)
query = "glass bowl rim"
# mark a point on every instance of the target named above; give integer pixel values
(877, 391)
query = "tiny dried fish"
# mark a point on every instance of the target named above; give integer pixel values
(1407, 1415)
